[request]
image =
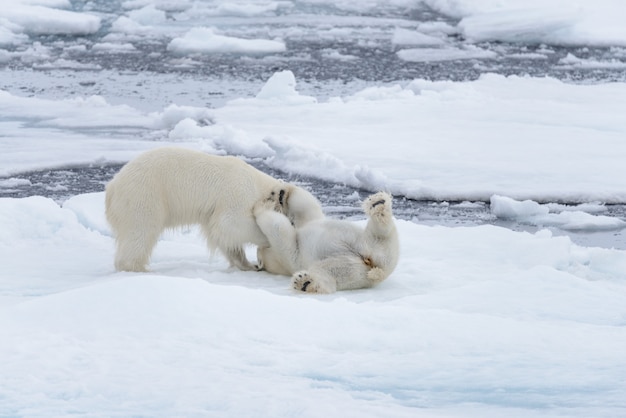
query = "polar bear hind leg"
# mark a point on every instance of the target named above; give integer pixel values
(134, 248)
(305, 282)
(136, 228)
(328, 276)
(381, 236)
(378, 208)
(237, 258)
(344, 272)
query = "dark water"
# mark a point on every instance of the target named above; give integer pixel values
(377, 59)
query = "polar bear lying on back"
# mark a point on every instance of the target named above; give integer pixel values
(171, 187)
(325, 255)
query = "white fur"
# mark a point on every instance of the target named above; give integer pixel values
(171, 187)
(325, 255)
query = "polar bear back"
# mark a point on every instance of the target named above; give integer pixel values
(170, 187)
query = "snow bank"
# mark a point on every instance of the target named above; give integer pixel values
(557, 22)
(205, 40)
(280, 90)
(403, 36)
(536, 21)
(217, 139)
(51, 133)
(476, 321)
(88, 209)
(533, 213)
(42, 17)
(282, 86)
(445, 54)
(530, 26)
(571, 61)
(526, 138)
(521, 137)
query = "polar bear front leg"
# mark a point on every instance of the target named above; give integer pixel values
(303, 281)
(275, 226)
(281, 236)
(134, 249)
(237, 258)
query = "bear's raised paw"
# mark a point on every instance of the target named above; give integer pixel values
(264, 205)
(378, 204)
(278, 200)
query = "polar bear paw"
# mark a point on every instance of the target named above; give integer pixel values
(304, 282)
(264, 205)
(278, 199)
(376, 275)
(278, 196)
(378, 205)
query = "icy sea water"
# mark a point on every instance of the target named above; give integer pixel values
(153, 77)
(332, 52)
(339, 201)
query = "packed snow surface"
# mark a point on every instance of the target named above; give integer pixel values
(478, 321)
(474, 322)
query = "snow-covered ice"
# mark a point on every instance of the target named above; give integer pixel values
(585, 22)
(526, 138)
(533, 213)
(478, 321)
(475, 321)
(193, 27)
(206, 40)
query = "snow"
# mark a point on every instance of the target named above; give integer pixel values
(281, 87)
(206, 40)
(476, 321)
(403, 36)
(444, 54)
(426, 156)
(484, 322)
(537, 21)
(44, 17)
(585, 23)
(572, 61)
(533, 213)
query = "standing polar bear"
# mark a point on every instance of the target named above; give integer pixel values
(170, 187)
(325, 255)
